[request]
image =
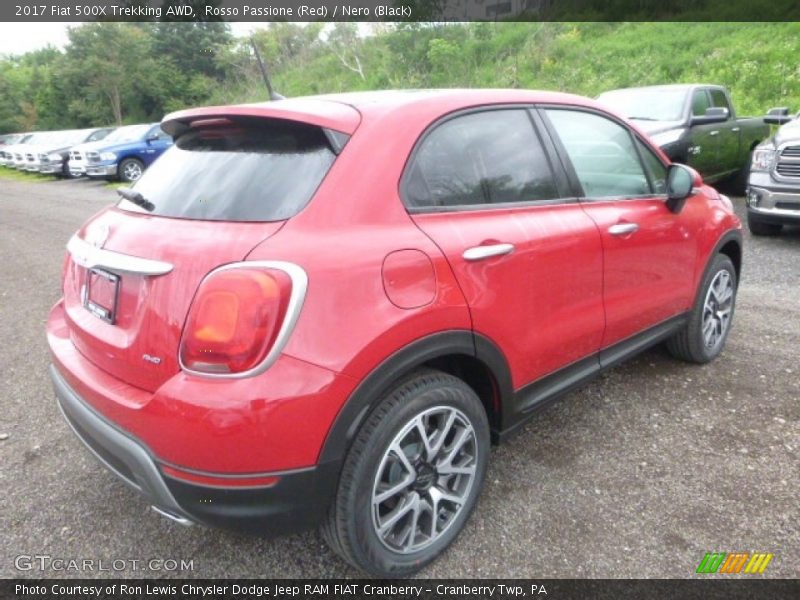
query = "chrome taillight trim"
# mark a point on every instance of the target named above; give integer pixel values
(90, 257)
(299, 280)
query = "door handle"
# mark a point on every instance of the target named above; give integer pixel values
(715, 132)
(482, 252)
(623, 228)
(735, 129)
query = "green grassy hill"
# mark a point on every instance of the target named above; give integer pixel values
(757, 61)
(127, 73)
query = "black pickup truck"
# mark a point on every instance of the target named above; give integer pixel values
(694, 124)
(773, 191)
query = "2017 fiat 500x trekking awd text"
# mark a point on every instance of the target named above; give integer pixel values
(322, 311)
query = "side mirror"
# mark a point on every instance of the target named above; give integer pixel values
(778, 116)
(151, 138)
(715, 114)
(681, 180)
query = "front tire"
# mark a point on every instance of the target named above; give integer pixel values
(411, 477)
(130, 170)
(703, 337)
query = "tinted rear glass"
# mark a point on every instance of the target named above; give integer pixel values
(247, 170)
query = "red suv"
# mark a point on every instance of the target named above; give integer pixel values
(322, 311)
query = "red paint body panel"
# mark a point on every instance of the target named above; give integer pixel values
(648, 275)
(274, 422)
(543, 303)
(152, 310)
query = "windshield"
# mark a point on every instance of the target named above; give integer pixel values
(242, 170)
(98, 134)
(40, 138)
(647, 104)
(129, 133)
(68, 138)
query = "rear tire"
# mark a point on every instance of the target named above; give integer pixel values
(759, 227)
(401, 499)
(703, 337)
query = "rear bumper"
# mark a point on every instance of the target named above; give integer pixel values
(297, 500)
(121, 454)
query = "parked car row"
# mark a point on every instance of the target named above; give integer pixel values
(107, 152)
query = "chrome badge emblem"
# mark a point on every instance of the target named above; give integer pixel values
(152, 359)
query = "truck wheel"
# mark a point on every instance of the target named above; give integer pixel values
(130, 170)
(758, 227)
(703, 337)
(412, 476)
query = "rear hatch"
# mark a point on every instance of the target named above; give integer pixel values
(133, 269)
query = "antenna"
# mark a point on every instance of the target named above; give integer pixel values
(273, 95)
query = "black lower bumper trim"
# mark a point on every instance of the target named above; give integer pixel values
(298, 500)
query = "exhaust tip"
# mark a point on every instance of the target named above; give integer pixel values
(180, 520)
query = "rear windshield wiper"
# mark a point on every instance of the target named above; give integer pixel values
(136, 198)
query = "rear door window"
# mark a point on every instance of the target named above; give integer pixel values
(236, 170)
(700, 103)
(479, 159)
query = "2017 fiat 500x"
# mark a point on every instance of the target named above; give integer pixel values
(322, 311)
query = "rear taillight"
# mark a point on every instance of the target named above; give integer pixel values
(241, 317)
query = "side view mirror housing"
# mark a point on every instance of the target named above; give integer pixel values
(681, 180)
(151, 138)
(778, 116)
(715, 114)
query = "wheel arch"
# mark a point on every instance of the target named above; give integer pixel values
(732, 248)
(729, 244)
(471, 357)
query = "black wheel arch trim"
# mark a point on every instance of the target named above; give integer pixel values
(732, 235)
(379, 381)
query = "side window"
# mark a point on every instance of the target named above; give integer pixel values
(719, 99)
(482, 158)
(700, 103)
(655, 168)
(602, 154)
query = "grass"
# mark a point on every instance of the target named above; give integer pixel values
(15, 175)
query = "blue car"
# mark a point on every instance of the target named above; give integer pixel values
(124, 154)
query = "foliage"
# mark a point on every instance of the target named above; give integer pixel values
(112, 72)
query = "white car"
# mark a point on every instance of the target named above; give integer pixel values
(9, 142)
(53, 156)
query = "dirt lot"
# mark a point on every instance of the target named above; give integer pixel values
(637, 475)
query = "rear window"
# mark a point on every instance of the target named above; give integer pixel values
(243, 170)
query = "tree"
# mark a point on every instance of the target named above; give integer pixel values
(345, 43)
(106, 60)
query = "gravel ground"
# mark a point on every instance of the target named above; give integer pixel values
(637, 475)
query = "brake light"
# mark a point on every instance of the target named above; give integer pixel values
(235, 319)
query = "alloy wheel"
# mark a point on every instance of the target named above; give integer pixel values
(424, 479)
(717, 309)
